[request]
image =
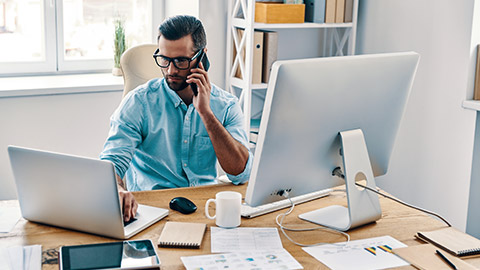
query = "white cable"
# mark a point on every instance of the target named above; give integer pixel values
(406, 204)
(283, 228)
(338, 172)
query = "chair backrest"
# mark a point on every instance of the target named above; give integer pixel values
(138, 66)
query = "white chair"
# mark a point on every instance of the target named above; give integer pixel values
(138, 66)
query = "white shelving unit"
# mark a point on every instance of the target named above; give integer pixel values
(338, 40)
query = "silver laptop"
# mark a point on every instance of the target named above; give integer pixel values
(74, 192)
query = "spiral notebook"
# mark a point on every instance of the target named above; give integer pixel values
(453, 241)
(182, 234)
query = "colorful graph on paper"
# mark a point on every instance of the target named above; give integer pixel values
(371, 253)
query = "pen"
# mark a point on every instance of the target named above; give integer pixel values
(446, 260)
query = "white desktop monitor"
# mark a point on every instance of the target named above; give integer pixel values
(308, 102)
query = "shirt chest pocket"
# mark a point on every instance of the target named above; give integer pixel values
(203, 154)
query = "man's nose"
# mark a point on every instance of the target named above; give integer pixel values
(171, 69)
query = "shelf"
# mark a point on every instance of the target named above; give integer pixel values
(471, 104)
(241, 84)
(337, 40)
(300, 25)
(242, 24)
(239, 23)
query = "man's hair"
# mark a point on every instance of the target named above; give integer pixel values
(179, 26)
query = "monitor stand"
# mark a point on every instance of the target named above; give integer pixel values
(363, 205)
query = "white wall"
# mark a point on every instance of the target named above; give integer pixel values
(72, 123)
(473, 222)
(213, 14)
(431, 164)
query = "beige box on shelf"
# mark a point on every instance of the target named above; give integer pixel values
(279, 13)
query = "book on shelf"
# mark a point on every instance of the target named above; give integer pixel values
(253, 137)
(330, 10)
(254, 125)
(452, 240)
(315, 11)
(476, 91)
(270, 52)
(182, 234)
(348, 17)
(340, 11)
(257, 56)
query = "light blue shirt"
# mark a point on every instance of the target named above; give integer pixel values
(156, 141)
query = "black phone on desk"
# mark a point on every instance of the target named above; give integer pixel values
(136, 254)
(206, 64)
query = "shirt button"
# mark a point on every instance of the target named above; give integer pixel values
(185, 165)
(186, 118)
(185, 141)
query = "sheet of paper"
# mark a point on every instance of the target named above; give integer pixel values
(34, 260)
(9, 216)
(4, 259)
(258, 260)
(244, 239)
(21, 257)
(371, 253)
(15, 255)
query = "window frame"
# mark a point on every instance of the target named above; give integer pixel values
(53, 44)
(49, 64)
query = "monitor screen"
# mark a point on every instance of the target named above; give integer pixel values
(309, 101)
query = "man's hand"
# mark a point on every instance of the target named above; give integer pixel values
(129, 204)
(200, 77)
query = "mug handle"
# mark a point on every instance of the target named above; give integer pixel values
(206, 208)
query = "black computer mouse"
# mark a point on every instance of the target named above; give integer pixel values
(182, 205)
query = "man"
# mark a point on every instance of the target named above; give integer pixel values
(163, 136)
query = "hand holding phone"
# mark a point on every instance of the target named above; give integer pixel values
(206, 64)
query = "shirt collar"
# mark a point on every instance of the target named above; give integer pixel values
(176, 100)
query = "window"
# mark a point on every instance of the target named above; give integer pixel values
(65, 36)
(88, 27)
(21, 31)
(26, 41)
(48, 36)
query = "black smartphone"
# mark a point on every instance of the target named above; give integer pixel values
(206, 64)
(136, 254)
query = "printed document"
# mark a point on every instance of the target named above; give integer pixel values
(261, 260)
(371, 253)
(245, 239)
(21, 257)
(9, 216)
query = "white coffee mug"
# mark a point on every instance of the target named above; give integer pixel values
(228, 204)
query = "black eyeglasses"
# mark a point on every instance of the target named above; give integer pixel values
(181, 63)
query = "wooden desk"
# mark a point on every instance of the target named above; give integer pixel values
(397, 221)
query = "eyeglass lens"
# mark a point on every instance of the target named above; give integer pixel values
(180, 63)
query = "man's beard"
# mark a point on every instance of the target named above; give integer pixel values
(176, 85)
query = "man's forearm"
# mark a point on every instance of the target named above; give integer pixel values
(120, 182)
(231, 154)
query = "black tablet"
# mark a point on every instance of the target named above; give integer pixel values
(137, 254)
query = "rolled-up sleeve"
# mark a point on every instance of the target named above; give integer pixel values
(235, 126)
(125, 134)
